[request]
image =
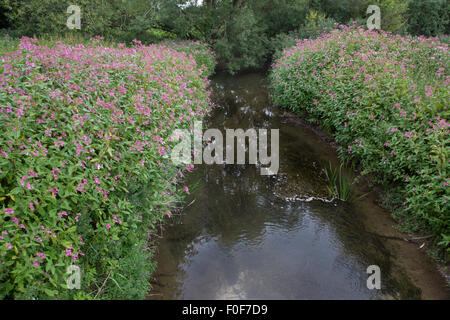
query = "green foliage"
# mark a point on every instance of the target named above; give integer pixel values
(239, 31)
(84, 167)
(244, 33)
(428, 17)
(121, 20)
(7, 43)
(385, 100)
(345, 11)
(30, 17)
(342, 11)
(316, 24)
(338, 184)
(444, 38)
(203, 55)
(393, 14)
(241, 43)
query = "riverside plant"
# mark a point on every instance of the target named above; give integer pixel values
(337, 184)
(341, 187)
(385, 100)
(84, 165)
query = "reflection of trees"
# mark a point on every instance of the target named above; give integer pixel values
(366, 247)
(236, 205)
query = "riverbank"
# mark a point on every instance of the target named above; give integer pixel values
(84, 169)
(414, 253)
(383, 98)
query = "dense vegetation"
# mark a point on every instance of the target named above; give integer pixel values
(84, 123)
(84, 168)
(244, 33)
(385, 100)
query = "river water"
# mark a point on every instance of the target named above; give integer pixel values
(248, 236)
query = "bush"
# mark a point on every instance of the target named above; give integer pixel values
(345, 11)
(204, 56)
(118, 20)
(7, 43)
(316, 24)
(385, 99)
(85, 172)
(428, 17)
(241, 42)
(393, 14)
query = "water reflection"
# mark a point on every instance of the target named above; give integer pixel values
(241, 239)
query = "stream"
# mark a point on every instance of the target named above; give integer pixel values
(248, 236)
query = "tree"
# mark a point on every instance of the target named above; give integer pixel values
(428, 17)
(118, 19)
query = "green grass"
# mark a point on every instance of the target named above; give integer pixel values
(339, 186)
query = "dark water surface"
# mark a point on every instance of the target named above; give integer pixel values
(248, 236)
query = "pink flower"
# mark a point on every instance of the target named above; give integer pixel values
(9, 211)
(108, 226)
(54, 191)
(22, 180)
(186, 189)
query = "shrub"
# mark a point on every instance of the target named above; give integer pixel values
(7, 43)
(119, 20)
(385, 99)
(316, 24)
(84, 167)
(346, 11)
(393, 14)
(204, 56)
(428, 17)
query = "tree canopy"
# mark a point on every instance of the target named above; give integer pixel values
(244, 33)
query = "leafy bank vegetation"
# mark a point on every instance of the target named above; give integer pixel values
(85, 122)
(385, 100)
(84, 130)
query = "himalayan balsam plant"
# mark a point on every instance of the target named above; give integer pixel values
(84, 165)
(385, 99)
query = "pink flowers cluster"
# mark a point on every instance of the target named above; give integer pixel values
(81, 127)
(385, 99)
